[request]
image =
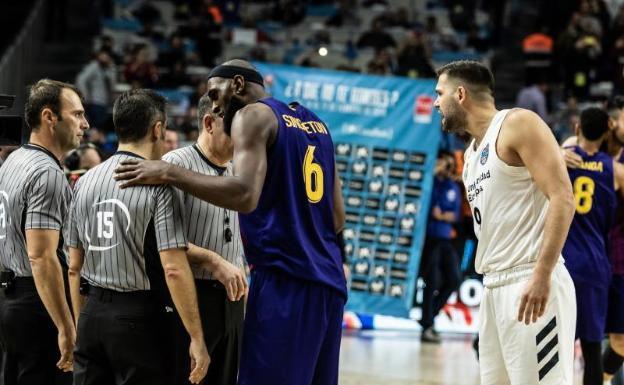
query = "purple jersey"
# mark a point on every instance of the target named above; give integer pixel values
(617, 233)
(585, 250)
(292, 229)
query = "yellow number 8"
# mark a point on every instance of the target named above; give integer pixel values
(583, 193)
(312, 176)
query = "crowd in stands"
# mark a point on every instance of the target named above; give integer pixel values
(172, 48)
(576, 63)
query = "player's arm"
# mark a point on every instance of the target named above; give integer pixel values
(572, 159)
(181, 285)
(252, 128)
(618, 177)
(339, 221)
(76, 260)
(232, 277)
(526, 135)
(76, 256)
(41, 246)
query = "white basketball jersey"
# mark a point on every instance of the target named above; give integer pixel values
(508, 209)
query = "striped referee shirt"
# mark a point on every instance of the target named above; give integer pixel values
(122, 231)
(206, 222)
(34, 194)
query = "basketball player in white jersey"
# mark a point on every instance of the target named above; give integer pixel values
(521, 197)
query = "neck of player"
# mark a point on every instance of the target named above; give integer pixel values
(479, 119)
(47, 143)
(589, 146)
(147, 150)
(211, 152)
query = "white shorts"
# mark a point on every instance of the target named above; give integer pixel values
(511, 352)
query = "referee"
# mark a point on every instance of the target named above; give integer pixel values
(35, 319)
(118, 240)
(215, 253)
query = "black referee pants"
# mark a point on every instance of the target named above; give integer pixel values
(29, 339)
(120, 340)
(222, 323)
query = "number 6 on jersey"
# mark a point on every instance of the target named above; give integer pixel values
(312, 176)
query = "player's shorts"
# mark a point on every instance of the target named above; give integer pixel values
(511, 352)
(292, 331)
(615, 308)
(591, 315)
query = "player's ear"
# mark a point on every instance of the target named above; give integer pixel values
(577, 129)
(461, 93)
(238, 84)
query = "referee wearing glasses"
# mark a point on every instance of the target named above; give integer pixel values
(215, 253)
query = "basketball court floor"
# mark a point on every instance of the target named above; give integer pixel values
(399, 358)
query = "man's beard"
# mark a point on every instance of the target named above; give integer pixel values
(455, 120)
(232, 108)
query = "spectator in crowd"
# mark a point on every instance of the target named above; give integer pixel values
(141, 71)
(376, 37)
(380, 64)
(289, 12)
(565, 119)
(475, 41)
(533, 98)
(107, 44)
(439, 266)
(206, 34)
(171, 140)
(89, 156)
(414, 57)
(97, 82)
(174, 53)
(175, 76)
(440, 39)
(617, 60)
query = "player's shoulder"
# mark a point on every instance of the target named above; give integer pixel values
(522, 126)
(254, 112)
(179, 156)
(520, 117)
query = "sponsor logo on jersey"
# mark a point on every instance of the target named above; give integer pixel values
(484, 154)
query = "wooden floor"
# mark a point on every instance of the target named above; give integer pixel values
(398, 358)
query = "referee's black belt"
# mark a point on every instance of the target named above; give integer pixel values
(108, 295)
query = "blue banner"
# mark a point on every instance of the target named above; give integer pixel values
(386, 133)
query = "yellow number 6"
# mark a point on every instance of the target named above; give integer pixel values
(312, 176)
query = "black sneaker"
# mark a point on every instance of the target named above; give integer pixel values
(428, 336)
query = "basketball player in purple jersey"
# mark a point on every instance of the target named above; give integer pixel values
(613, 356)
(586, 248)
(287, 192)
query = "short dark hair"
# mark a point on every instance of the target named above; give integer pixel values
(135, 112)
(46, 93)
(203, 107)
(478, 77)
(594, 123)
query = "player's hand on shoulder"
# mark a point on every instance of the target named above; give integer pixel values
(233, 278)
(534, 298)
(144, 172)
(571, 158)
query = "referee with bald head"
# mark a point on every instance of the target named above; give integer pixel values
(129, 246)
(215, 252)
